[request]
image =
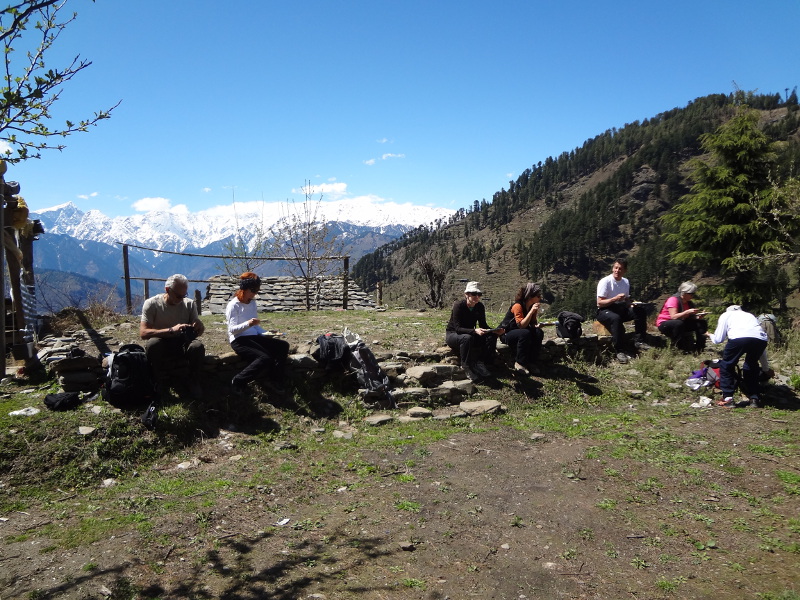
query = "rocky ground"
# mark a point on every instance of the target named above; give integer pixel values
(592, 481)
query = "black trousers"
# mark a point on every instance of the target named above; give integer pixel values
(161, 350)
(675, 328)
(614, 317)
(471, 346)
(266, 356)
(526, 343)
(751, 349)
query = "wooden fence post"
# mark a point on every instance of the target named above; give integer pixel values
(128, 302)
(345, 281)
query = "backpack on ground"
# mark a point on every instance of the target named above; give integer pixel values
(769, 323)
(333, 350)
(370, 376)
(569, 325)
(130, 382)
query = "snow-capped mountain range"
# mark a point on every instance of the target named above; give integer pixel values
(182, 230)
(88, 244)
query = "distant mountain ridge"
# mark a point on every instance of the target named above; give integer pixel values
(89, 244)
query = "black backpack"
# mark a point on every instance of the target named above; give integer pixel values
(569, 325)
(370, 375)
(130, 382)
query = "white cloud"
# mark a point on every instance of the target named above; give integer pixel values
(386, 156)
(87, 196)
(331, 191)
(151, 204)
(370, 162)
(5, 148)
(382, 141)
(206, 189)
(179, 209)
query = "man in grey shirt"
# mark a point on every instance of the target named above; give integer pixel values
(170, 323)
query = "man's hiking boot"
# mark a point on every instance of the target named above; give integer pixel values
(640, 345)
(622, 358)
(239, 389)
(471, 375)
(481, 369)
(521, 369)
(196, 390)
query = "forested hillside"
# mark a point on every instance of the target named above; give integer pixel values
(564, 220)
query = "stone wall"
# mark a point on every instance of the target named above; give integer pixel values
(282, 294)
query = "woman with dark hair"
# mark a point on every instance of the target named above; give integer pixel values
(679, 316)
(524, 333)
(266, 355)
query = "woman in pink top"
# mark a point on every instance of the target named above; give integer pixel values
(679, 316)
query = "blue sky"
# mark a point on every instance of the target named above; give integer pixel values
(435, 103)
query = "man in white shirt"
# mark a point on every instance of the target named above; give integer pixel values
(614, 308)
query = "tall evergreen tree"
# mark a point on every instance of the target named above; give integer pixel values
(722, 219)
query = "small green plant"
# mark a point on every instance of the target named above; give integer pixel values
(586, 534)
(639, 563)
(607, 504)
(669, 586)
(90, 566)
(408, 505)
(791, 482)
(416, 584)
(517, 521)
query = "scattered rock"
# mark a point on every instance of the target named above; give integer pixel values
(378, 419)
(85, 430)
(419, 411)
(480, 407)
(407, 545)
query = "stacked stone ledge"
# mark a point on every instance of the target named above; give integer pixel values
(284, 294)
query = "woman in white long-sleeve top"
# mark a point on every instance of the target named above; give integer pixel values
(266, 355)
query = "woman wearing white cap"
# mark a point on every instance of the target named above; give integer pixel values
(468, 333)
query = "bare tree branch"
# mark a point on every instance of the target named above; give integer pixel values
(29, 88)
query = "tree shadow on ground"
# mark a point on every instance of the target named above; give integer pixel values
(586, 383)
(237, 566)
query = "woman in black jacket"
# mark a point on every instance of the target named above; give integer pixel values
(468, 333)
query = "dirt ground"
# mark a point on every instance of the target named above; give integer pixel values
(492, 515)
(671, 502)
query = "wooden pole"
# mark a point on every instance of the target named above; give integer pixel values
(345, 281)
(3, 263)
(146, 289)
(126, 270)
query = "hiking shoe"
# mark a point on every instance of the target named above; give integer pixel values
(521, 369)
(642, 346)
(471, 375)
(726, 402)
(274, 387)
(239, 389)
(622, 358)
(481, 369)
(196, 390)
(755, 402)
